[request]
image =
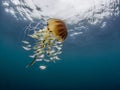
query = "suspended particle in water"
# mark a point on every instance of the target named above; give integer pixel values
(42, 67)
(48, 43)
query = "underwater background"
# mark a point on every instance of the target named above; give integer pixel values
(90, 62)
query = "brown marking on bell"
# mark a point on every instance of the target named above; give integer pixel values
(59, 25)
(61, 34)
(58, 28)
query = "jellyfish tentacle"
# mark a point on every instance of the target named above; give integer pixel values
(33, 61)
(42, 47)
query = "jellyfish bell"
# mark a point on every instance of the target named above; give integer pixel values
(58, 28)
(48, 43)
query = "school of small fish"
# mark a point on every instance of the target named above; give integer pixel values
(46, 48)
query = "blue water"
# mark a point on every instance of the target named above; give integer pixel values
(86, 65)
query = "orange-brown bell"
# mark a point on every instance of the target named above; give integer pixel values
(58, 28)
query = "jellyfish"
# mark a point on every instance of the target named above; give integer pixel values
(49, 42)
